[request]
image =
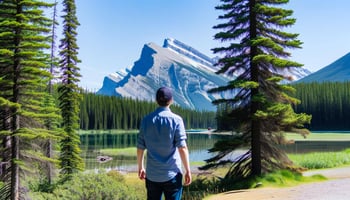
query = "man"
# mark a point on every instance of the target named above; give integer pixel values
(162, 134)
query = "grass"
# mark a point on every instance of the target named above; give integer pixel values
(319, 136)
(114, 131)
(132, 179)
(130, 151)
(286, 178)
(321, 160)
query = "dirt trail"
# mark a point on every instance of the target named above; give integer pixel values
(336, 188)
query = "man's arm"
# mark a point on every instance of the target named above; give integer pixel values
(186, 163)
(140, 165)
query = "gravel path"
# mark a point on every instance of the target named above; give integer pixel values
(336, 188)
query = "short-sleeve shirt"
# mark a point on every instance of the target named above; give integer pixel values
(161, 133)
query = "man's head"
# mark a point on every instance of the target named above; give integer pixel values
(164, 96)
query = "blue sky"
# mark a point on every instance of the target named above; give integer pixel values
(112, 32)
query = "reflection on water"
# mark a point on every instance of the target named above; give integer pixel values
(91, 145)
(198, 144)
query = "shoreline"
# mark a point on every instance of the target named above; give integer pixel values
(335, 187)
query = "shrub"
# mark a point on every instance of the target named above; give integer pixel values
(91, 186)
(116, 176)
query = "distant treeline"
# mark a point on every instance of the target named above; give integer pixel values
(110, 112)
(327, 102)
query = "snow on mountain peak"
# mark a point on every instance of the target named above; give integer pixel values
(195, 57)
(187, 71)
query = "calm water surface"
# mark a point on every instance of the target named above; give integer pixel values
(92, 144)
(198, 144)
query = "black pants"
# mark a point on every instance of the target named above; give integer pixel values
(171, 189)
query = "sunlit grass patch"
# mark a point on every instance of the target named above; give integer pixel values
(285, 178)
(320, 160)
(130, 151)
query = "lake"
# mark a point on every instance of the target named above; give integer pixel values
(94, 145)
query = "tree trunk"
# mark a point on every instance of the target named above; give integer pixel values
(255, 124)
(15, 169)
(16, 119)
(49, 164)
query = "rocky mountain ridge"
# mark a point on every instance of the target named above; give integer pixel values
(186, 70)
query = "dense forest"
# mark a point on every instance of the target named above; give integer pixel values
(110, 112)
(327, 102)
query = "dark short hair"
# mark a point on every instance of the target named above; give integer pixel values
(164, 96)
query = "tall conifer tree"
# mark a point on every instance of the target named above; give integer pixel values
(259, 108)
(24, 77)
(50, 123)
(69, 94)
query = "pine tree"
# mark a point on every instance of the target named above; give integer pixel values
(51, 124)
(69, 94)
(24, 77)
(260, 107)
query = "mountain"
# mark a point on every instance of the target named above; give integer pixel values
(187, 71)
(110, 82)
(339, 70)
(296, 74)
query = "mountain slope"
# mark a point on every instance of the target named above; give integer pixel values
(339, 70)
(158, 66)
(186, 70)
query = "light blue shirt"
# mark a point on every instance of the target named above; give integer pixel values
(161, 132)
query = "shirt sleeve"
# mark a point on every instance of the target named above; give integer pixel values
(140, 137)
(180, 134)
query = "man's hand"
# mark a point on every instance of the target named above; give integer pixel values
(188, 178)
(185, 161)
(140, 157)
(142, 173)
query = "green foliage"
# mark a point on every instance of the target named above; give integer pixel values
(327, 102)
(98, 112)
(284, 178)
(321, 160)
(116, 176)
(24, 77)
(40, 184)
(261, 107)
(130, 152)
(91, 186)
(69, 94)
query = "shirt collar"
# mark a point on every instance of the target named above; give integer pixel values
(163, 109)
